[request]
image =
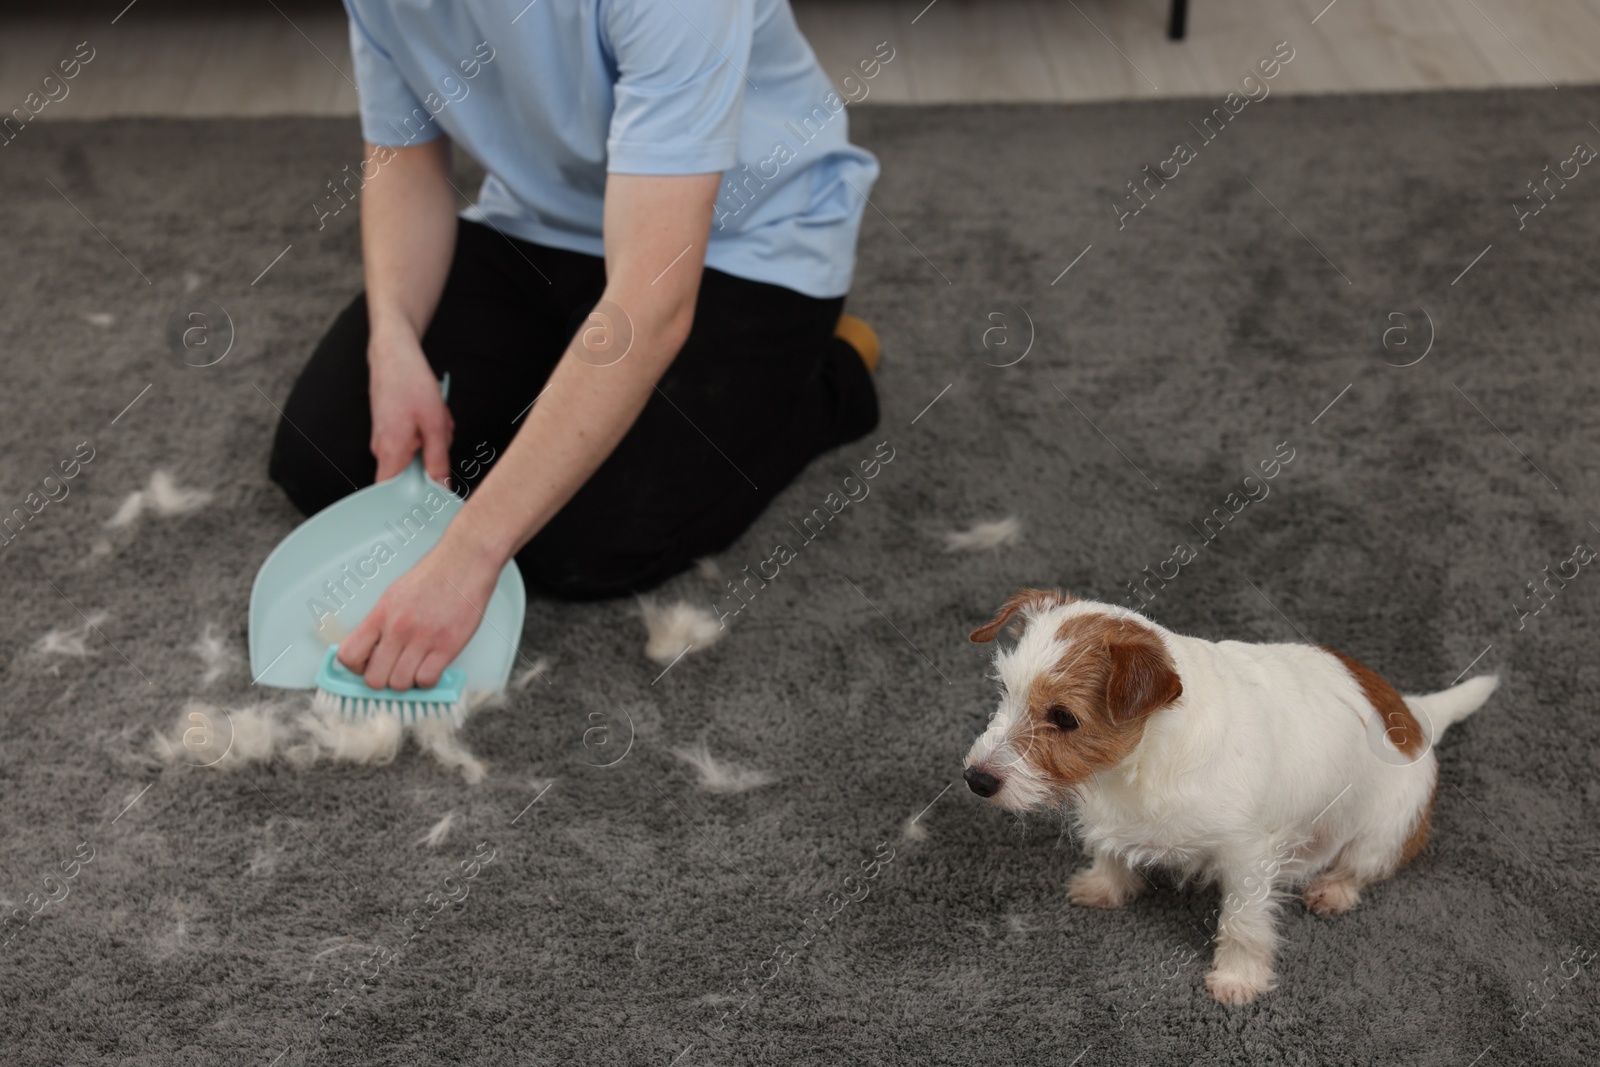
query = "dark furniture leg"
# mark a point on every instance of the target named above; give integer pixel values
(1180, 15)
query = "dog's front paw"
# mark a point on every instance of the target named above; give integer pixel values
(1102, 887)
(1331, 896)
(1240, 984)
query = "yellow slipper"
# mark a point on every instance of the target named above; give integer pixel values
(863, 338)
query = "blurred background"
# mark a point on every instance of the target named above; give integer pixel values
(290, 57)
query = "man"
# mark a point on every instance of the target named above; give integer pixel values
(656, 263)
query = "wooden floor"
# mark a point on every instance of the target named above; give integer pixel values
(260, 57)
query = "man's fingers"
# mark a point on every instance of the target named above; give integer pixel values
(381, 665)
(393, 452)
(355, 649)
(432, 669)
(436, 451)
(405, 668)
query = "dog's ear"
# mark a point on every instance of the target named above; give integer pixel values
(1031, 599)
(1142, 678)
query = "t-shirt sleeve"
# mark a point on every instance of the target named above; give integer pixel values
(391, 114)
(680, 84)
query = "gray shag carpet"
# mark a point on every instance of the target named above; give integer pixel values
(628, 915)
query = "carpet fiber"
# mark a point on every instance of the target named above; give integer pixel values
(593, 901)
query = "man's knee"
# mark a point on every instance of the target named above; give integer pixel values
(288, 467)
(319, 453)
(597, 561)
(306, 474)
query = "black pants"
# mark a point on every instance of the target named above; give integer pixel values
(760, 388)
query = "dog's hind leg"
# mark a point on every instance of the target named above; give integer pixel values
(1333, 893)
(1108, 883)
(1370, 858)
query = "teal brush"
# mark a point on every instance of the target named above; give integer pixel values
(341, 691)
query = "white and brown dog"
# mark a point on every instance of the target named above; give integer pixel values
(1259, 767)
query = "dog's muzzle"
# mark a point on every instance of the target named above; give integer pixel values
(981, 782)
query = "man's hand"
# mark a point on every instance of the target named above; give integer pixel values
(408, 412)
(424, 620)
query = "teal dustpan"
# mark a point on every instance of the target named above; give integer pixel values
(322, 580)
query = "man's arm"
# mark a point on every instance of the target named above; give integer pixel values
(408, 238)
(424, 620)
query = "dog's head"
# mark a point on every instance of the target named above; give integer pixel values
(1076, 691)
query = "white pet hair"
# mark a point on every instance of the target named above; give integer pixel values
(126, 742)
(980, 535)
(161, 495)
(258, 731)
(61, 643)
(228, 739)
(540, 670)
(128, 513)
(64, 642)
(330, 631)
(209, 736)
(676, 628)
(437, 737)
(707, 568)
(302, 754)
(720, 776)
(479, 699)
(166, 498)
(128, 800)
(102, 319)
(262, 863)
(435, 837)
(214, 653)
(373, 739)
(176, 938)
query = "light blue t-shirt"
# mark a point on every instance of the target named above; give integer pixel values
(551, 95)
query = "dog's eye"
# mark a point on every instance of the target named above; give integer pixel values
(1061, 718)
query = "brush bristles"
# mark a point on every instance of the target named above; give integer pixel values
(404, 710)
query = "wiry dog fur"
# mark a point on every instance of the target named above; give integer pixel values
(1259, 767)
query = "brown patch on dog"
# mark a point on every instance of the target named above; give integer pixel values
(1031, 600)
(1419, 835)
(1399, 725)
(1113, 675)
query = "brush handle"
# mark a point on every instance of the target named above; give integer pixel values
(334, 677)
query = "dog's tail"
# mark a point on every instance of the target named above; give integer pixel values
(1439, 711)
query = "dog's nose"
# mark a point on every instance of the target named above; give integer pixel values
(981, 782)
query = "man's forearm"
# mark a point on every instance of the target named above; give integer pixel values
(584, 411)
(408, 236)
(656, 234)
